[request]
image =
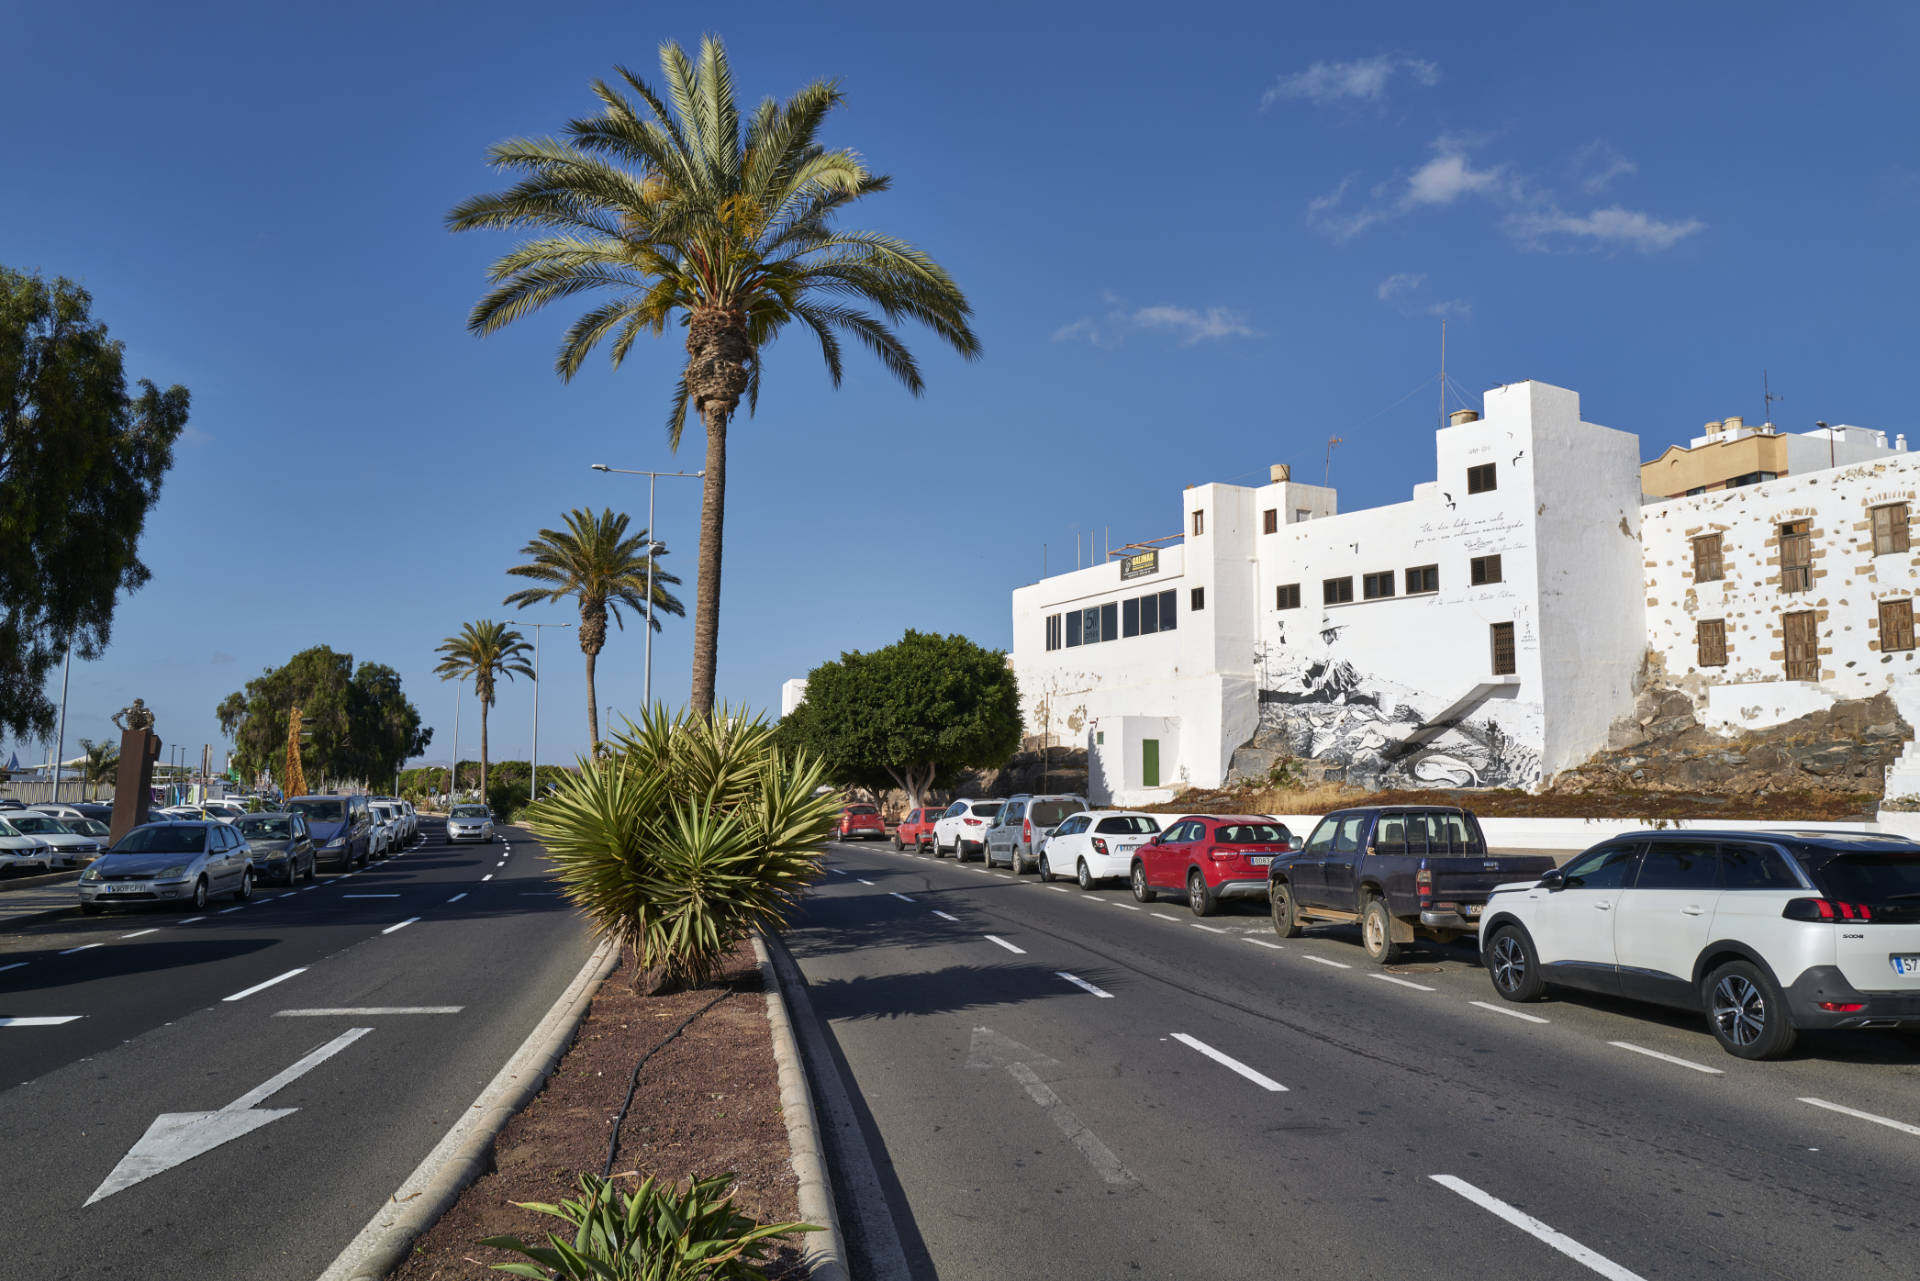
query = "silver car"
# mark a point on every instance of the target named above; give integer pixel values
(470, 823)
(181, 863)
(70, 848)
(280, 845)
(17, 849)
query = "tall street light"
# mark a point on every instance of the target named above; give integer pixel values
(533, 780)
(453, 775)
(653, 545)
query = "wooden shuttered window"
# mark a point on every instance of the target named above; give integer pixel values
(1502, 636)
(1896, 625)
(1890, 529)
(1711, 636)
(1708, 566)
(1803, 645)
(1270, 521)
(1796, 556)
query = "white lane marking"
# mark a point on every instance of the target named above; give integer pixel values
(936, 911)
(456, 898)
(501, 863)
(1059, 889)
(1098, 1154)
(995, 938)
(401, 926)
(1512, 1014)
(837, 872)
(1163, 916)
(235, 908)
(1005, 876)
(1865, 1116)
(358, 1011)
(487, 877)
(1666, 1058)
(1533, 1227)
(288, 894)
(16, 965)
(903, 898)
(1129, 906)
(1321, 960)
(39, 1020)
(1083, 985)
(261, 987)
(310, 889)
(191, 919)
(863, 880)
(1227, 1061)
(369, 896)
(1211, 929)
(1263, 943)
(1418, 987)
(83, 947)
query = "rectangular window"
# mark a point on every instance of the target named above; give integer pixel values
(1481, 479)
(1110, 621)
(1889, 529)
(1336, 591)
(1896, 625)
(1166, 610)
(1710, 637)
(1130, 616)
(1796, 556)
(1269, 521)
(1376, 586)
(1199, 523)
(1090, 625)
(1502, 634)
(1197, 599)
(1422, 579)
(1149, 615)
(1053, 631)
(1300, 514)
(1803, 645)
(1287, 597)
(1708, 567)
(1073, 628)
(1484, 570)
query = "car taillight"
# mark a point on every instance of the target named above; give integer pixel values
(1843, 1007)
(1820, 909)
(1423, 880)
(1026, 827)
(1099, 846)
(971, 822)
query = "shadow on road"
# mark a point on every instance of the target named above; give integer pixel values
(947, 991)
(128, 959)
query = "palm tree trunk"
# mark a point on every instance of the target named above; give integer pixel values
(593, 708)
(483, 752)
(713, 515)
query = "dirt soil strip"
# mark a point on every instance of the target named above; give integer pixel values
(707, 1103)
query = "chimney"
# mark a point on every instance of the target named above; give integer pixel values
(1900, 443)
(1734, 423)
(1280, 473)
(1460, 417)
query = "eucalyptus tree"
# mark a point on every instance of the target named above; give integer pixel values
(483, 652)
(597, 562)
(680, 209)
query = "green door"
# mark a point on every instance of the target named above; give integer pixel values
(1149, 762)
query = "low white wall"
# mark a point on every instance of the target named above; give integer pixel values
(1566, 837)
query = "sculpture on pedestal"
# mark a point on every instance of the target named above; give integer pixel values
(133, 785)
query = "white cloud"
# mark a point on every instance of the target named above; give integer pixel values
(1401, 282)
(1405, 291)
(1597, 164)
(1363, 80)
(1191, 324)
(1450, 175)
(1325, 214)
(1451, 309)
(1611, 227)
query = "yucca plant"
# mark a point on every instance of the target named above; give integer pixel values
(660, 1233)
(685, 836)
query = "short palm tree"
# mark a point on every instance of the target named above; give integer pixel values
(483, 652)
(723, 225)
(595, 560)
(102, 764)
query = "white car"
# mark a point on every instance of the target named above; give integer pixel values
(381, 842)
(470, 823)
(65, 813)
(68, 847)
(1096, 845)
(1766, 933)
(17, 849)
(963, 828)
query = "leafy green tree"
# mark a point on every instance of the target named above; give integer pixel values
(81, 461)
(483, 652)
(915, 712)
(355, 722)
(722, 224)
(102, 764)
(597, 562)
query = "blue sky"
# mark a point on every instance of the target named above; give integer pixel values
(1200, 239)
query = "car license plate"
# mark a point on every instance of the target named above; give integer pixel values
(118, 889)
(1471, 909)
(1261, 860)
(1905, 962)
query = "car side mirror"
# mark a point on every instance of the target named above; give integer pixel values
(1295, 843)
(1554, 880)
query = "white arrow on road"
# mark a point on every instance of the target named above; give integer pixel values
(177, 1137)
(990, 1049)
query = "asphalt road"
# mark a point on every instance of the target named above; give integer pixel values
(308, 1050)
(1067, 1084)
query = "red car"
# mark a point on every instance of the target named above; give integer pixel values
(917, 828)
(860, 820)
(1208, 857)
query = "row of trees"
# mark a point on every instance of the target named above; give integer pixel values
(355, 721)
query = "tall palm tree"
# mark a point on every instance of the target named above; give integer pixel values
(483, 652)
(721, 224)
(597, 561)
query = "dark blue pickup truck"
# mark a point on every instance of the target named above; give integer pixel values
(1400, 871)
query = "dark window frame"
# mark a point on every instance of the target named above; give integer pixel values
(1482, 479)
(1377, 585)
(1270, 521)
(1336, 591)
(1286, 596)
(1796, 556)
(1199, 522)
(1506, 657)
(1709, 559)
(1483, 571)
(1427, 582)
(1710, 642)
(1196, 599)
(1893, 625)
(1895, 538)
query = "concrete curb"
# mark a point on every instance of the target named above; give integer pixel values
(467, 1150)
(825, 1252)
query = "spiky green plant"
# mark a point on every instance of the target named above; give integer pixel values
(660, 1233)
(686, 835)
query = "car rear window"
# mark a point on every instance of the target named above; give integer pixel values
(987, 809)
(1870, 878)
(1128, 825)
(1250, 834)
(1427, 834)
(861, 809)
(1049, 813)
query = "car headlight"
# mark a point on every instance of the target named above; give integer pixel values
(173, 873)
(336, 843)
(91, 874)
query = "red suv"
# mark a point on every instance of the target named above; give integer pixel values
(916, 829)
(1209, 857)
(860, 820)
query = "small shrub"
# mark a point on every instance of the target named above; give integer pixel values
(660, 1233)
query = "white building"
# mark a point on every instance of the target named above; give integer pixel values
(792, 693)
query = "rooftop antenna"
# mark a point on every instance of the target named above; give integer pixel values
(1767, 398)
(1326, 476)
(1443, 373)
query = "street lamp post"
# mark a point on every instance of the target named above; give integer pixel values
(533, 765)
(66, 673)
(453, 774)
(654, 545)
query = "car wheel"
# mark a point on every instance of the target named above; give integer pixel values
(1199, 897)
(1141, 890)
(1046, 871)
(245, 891)
(1017, 861)
(1286, 923)
(1514, 966)
(1084, 876)
(1747, 1013)
(313, 867)
(1376, 932)
(200, 894)
(899, 846)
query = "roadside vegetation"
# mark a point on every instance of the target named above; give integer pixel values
(355, 722)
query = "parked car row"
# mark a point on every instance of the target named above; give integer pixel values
(49, 839)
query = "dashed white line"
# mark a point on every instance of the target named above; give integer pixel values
(501, 863)
(1263, 943)
(288, 894)
(1163, 916)
(837, 872)
(354, 1012)
(1059, 889)
(1003, 876)
(456, 898)
(1129, 906)
(1321, 960)
(863, 880)
(1418, 987)
(235, 908)
(1889, 1122)
(191, 919)
(902, 897)
(38, 1020)
(995, 938)
(1083, 985)
(16, 965)
(1667, 1058)
(1260, 1079)
(1512, 1014)
(369, 896)
(1211, 929)
(1533, 1227)
(83, 947)
(261, 987)
(487, 877)
(401, 926)
(936, 911)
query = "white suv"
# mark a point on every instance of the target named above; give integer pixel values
(1096, 845)
(1766, 933)
(964, 827)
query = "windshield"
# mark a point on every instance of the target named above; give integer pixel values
(267, 829)
(327, 811)
(1049, 813)
(89, 826)
(8, 829)
(186, 838)
(471, 811)
(41, 825)
(1870, 878)
(1128, 825)
(1251, 834)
